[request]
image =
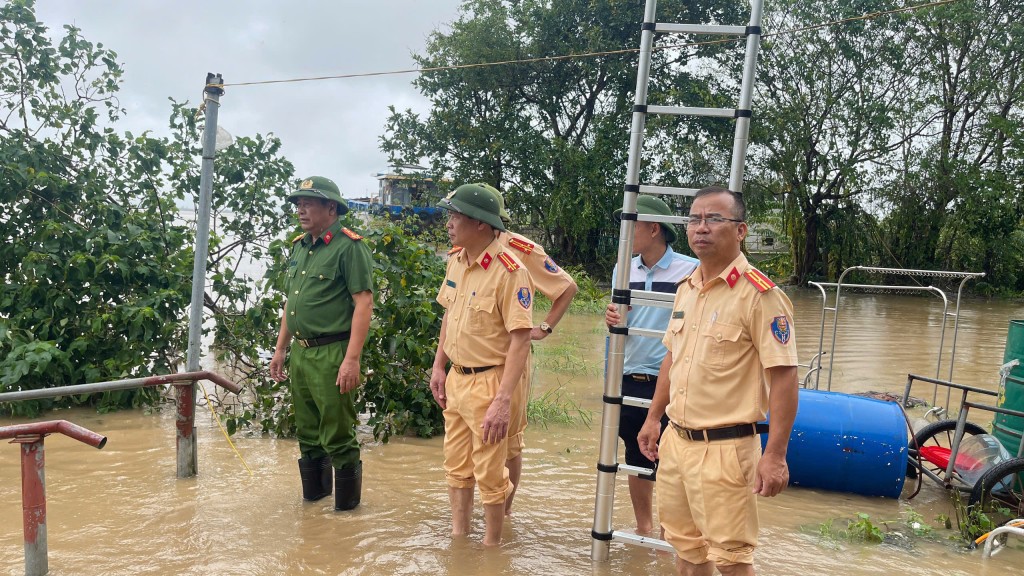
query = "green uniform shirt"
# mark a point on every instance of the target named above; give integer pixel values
(322, 276)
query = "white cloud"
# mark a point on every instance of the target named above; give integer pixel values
(328, 127)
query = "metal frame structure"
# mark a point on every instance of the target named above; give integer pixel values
(607, 466)
(33, 482)
(839, 285)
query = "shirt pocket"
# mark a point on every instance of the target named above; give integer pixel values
(480, 314)
(721, 345)
(447, 296)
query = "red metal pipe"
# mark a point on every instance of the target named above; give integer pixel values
(33, 482)
(64, 427)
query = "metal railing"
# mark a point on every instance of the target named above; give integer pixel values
(33, 483)
(946, 314)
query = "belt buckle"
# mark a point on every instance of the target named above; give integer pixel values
(303, 342)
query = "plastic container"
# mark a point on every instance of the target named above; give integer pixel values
(1008, 428)
(847, 443)
(977, 454)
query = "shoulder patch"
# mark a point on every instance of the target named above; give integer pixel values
(508, 262)
(454, 250)
(521, 245)
(351, 234)
(299, 237)
(759, 280)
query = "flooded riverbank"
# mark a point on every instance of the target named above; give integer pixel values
(120, 510)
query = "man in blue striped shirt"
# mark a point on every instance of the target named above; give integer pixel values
(657, 268)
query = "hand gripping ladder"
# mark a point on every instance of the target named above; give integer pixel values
(607, 466)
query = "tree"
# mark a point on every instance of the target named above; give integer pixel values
(553, 134)
(837, 103)
(96, 267)
(960, 191)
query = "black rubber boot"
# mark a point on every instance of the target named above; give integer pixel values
(349, 482)
(316, 478)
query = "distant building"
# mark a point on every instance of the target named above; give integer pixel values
(406, 185)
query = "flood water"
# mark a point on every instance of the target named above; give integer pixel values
(120, 510)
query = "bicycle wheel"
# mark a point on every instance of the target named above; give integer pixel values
(936, 434)
(1000, 492)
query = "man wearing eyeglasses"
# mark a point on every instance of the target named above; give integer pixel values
(731, 359)
(325, 322)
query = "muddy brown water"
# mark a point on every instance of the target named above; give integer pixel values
(120, 510)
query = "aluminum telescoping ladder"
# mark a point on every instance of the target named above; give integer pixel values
(607, 465)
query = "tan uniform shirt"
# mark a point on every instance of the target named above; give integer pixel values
(724, 334)
(548, 278)
(485, 299)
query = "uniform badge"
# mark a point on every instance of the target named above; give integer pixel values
(678, 314)
(327, 238)
(486, 261)
(521, 245)
(780, 329)
(524, 297)
(449, 282)
(733, 277)
(306, 185)
(550, 265)
(351, 234)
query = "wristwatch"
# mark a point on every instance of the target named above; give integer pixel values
(546, 327)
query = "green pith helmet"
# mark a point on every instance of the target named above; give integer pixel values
(319, 187)
(501, 202)
(477, 202)
(654, 206)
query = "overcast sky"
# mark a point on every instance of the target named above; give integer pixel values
(328, 127)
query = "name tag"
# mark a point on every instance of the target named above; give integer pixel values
(677, 314)
(449, 283)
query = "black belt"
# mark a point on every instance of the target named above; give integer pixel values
(726, 433)
(470, 369)
(314, 342)
(642, 377)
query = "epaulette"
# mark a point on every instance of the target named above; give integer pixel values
(759, 280)
(351, 234)
(454, 250)
(299, 237)
(521, 245)
(509, 262)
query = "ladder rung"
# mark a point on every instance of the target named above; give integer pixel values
(659, 334)
(660, 218)
(644, 189)
(692, 111)
(651, 295)
(635, 470)
(638, 402)
(645, 541)
(698, 29)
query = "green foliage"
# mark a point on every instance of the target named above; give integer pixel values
(552, 135)
(554, 407)
(96, 265)
(403, 334)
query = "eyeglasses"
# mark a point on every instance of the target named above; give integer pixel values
(711, 221)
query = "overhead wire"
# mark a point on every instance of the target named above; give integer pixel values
(560, 57)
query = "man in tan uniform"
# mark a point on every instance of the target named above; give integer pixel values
(731, 358)
(485, 334)
(558, 286)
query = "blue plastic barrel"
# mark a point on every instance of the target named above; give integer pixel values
(848, 444)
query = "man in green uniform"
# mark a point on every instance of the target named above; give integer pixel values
(330, 301)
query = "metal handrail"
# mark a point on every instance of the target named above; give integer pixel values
(184, 377)
(1011, 527)
(963, 276)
